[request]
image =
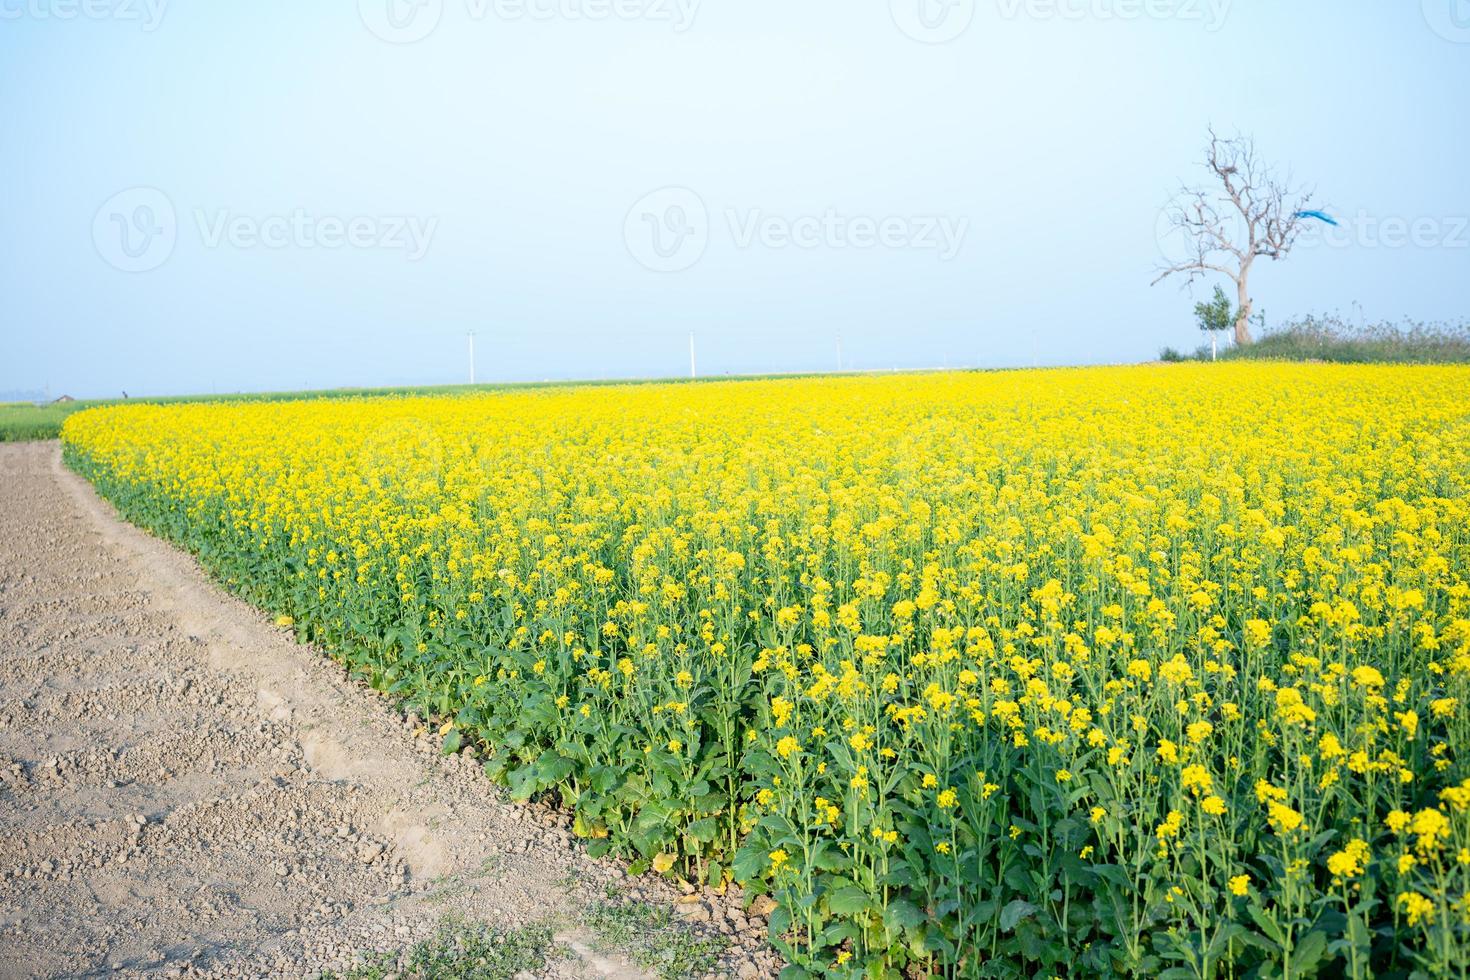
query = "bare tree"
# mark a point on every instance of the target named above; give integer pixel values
(1252, 214)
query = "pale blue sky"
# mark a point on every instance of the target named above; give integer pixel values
(486, 174)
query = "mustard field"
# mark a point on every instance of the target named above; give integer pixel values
(1149, 671)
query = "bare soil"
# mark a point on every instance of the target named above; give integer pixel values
(186, 790)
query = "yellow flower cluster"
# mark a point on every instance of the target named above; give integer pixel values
(1079, 668)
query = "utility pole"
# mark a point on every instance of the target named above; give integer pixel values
(839, 353)
(692, 372)
(472, 356)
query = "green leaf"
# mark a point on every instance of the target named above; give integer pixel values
(704, 830)
(849, 902)
(838, 933)
(1014, 913)
(780, 921)
(522, 783)
(1308, 953)
(1267, 926)
(556, 768)
(904, 914)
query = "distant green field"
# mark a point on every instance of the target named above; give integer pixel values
(24, 421)
(27, 422)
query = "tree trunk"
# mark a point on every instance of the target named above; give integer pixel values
(1243, 312)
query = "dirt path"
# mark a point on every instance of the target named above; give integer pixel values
(184, 789)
